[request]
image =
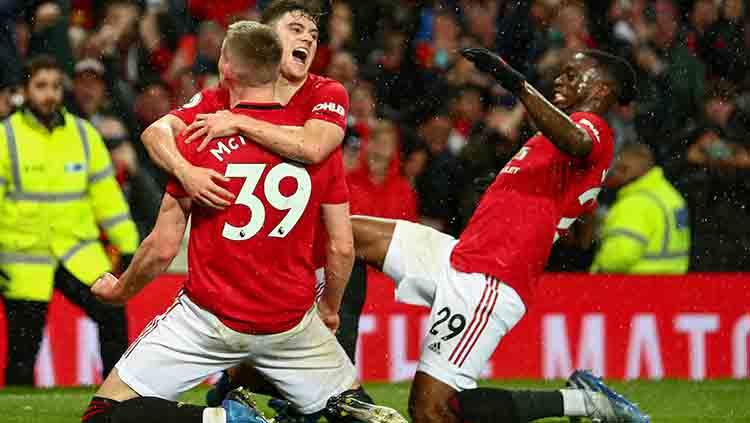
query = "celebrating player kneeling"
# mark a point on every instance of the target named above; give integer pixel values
(479, 285)
(250, 290)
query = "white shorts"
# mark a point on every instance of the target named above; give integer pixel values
(470, 312)
(186, 344)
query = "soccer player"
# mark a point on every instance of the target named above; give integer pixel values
(478, 286)
(322, 103)
(251, 281)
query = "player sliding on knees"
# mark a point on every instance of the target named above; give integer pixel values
(319, 106)
(479, 286)
(250, 290)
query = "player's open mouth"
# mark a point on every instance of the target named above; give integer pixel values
(300, 55)
(558, 98)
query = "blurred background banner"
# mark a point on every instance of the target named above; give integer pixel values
(623, 327)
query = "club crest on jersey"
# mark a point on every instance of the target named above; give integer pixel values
(331, 107)
(194, 101)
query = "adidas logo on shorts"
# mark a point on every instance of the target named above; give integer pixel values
(434, 347)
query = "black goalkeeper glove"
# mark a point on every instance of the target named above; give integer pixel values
(489, 62)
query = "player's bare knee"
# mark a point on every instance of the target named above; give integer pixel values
(114, 388)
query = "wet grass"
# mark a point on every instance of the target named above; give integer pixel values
(666, 401)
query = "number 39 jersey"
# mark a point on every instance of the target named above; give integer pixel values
(252, 264)
(539, 192)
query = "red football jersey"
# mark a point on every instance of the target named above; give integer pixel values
(539, 191)
(252, 264)
(318, 98)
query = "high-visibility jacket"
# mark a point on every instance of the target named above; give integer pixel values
(647, 229)
(57, 189)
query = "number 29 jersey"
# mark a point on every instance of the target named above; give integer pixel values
(539, 192)
(251, 264)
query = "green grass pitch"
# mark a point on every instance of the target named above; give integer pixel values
(666, 401)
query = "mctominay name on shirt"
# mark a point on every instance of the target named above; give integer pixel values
(225, 147)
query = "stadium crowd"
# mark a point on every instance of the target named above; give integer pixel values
(426, 130)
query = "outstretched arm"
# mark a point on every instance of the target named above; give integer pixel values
(310, 144)
(550, 120)
(153, 256)
(554, 124)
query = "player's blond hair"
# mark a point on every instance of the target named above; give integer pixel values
(254, 52)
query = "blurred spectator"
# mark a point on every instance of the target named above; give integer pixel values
(205, 66)
(153, 102)
(340, 38)
(671, 84)
(439, 185)
(362, 110)
(10, 98)
(491, 145)
(647, 228)
(718, 183)
(727, 53)
(440, 51)
(723, 139)
(49, 33)
(569, 34)
(222, 12)
(380, 178)
(394, 73)
(481, 18)
(351, 148)
(62, 180)
(10, 72)
(703, 15)
(116, 43)
(343, 68)
(89, 93)
(141, 191)
(522, 35)
(466, 111)
(622, 120)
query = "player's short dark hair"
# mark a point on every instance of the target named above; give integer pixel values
(254, 50)
(38, 63)
(621, 73)
(311, 9)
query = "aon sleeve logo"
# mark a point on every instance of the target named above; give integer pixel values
(331, 107)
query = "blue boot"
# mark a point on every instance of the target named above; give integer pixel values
(240, 407)
(619, 409)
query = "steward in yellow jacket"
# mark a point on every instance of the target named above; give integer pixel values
(57, 189)
(646, 231)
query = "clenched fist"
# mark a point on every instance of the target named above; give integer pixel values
(107, 289)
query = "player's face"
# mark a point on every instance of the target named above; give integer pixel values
(575, 84)
(299, 37)
(44, 92)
